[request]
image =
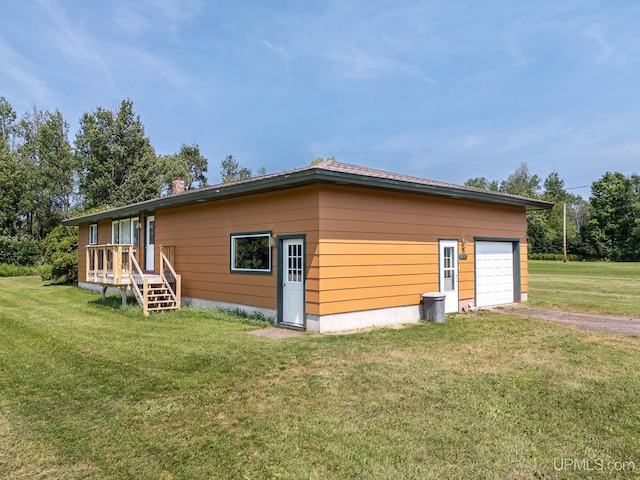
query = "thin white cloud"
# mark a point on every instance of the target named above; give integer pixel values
(278, 50)
(145, 16)
(75, 44)
(597, 33)
(150, 71)
(24, 73)
(364, 41)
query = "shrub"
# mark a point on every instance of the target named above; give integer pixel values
(27, 251)
(13, 270)
(23, 250)
(553, 256)
(60, 252)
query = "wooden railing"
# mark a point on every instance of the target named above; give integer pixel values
(109, 264)
(169, 253)
(171, 279)
(139, 285)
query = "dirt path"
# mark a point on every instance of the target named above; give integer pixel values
(584, 321)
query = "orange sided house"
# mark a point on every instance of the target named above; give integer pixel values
(326, 247)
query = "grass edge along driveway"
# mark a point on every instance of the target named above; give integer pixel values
(91, 391)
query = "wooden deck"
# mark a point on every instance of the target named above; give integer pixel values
(116, 266)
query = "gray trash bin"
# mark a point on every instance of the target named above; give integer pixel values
(433, 304)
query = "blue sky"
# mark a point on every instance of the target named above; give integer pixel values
(446, 90)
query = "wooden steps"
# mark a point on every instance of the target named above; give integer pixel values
(156, 293)
(159, 296)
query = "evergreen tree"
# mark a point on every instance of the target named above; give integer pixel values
(231, 170)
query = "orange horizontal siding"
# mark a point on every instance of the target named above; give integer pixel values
(524, 268)
(362, 247)
(201, 235)
(328, 308)
(380, 249)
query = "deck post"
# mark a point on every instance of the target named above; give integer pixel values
(104, 264)
(104, 292)
(178, 290)
(123, 290)
(145, 297)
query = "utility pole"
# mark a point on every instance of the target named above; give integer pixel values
(564, 234)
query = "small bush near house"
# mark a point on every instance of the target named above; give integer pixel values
(60, 255)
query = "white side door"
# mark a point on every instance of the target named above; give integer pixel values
(448, 254)
(149, 242)
(293, 281)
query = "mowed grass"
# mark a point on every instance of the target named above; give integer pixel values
(596, 287)
(92, 391)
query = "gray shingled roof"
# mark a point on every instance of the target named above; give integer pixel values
(326, 172)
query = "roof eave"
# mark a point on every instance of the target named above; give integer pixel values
(203, 195)
(301, 178)
(448, 191)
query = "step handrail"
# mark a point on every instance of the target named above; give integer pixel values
(166, 264)
(138, 280)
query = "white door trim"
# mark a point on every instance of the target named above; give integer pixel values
(497, 272)
(292, 291)
(448, 273)
(149, 243)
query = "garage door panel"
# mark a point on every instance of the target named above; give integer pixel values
(494, 273)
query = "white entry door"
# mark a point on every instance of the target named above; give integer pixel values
(449, 274)
(293, 281)
(150, 240)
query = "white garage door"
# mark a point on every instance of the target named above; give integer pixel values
(494, 273)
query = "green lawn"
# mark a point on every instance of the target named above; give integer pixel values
(92, 391)
(600, 287)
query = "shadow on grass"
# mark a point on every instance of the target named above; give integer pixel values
(114, 301)
(52, 283)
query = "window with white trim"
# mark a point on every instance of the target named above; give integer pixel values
(251, 252)
(93, 234)
(125, 231)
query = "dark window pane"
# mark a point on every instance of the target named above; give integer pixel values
(251, 253)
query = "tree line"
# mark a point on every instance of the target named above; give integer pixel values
(604, 227)
(45, 177)
(111, 162)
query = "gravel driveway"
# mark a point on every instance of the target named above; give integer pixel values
(583, 321)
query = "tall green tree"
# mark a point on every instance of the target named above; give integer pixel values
(231, 170)
(7, 124)
(118, 165)
(46, 153)
(613, 229)
(521, 182)
(188, 164)
(12, 174)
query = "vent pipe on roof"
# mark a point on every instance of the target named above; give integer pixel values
(177, 186)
